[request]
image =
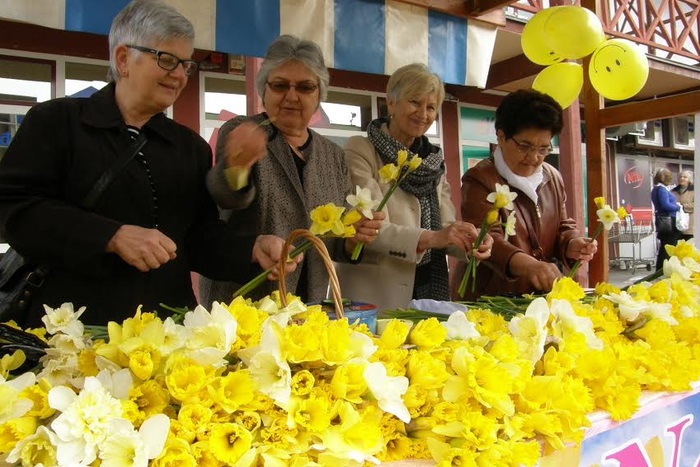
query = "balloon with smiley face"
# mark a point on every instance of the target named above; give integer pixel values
(618, 69)
(533, 41)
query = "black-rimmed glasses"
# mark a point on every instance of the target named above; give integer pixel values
(168, 61)
(283, 87)
(526, 148)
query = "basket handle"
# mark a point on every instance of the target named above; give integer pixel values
(323, 251)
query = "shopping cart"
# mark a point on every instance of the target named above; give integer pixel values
(631, 232)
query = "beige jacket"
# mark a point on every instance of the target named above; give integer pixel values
(687, 199)
(386, 273)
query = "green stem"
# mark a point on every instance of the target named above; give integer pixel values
(260, 278)
(577, 264)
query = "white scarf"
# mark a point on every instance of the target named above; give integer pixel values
(527, 185)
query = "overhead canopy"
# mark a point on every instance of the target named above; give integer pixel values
(372, 36)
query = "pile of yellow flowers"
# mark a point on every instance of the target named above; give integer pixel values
(257, 384)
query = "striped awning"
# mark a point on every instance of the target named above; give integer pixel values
(372, 36)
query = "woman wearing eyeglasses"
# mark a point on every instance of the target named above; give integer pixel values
(408, 260)
(302, 169)
(155, 222)
(546, 241)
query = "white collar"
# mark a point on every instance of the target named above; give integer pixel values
(527, 185)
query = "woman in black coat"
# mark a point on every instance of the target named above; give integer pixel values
(156, 222)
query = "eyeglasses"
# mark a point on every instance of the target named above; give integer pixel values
(283, 87)
(168, 61)
(525, 148)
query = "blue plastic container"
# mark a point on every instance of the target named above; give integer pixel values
(365, 312)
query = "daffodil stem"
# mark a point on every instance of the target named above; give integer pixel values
(358, 247)
(470, 272)
(648, 278)
(260, 278)
(577, 264)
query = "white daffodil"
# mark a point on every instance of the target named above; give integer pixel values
(63, 319)
(607, 216)
(174, 337)
(567, 322)
(37, 450)
(629, 309)
(294, 307)
(459, 327)
(210, 335)
(502, 197)
(11, 405)
(268, 368)
(117, 383)
(84, 421)
(58, 367)
(126, 447)
(361, 346)
(674, 265)
(388, 390)
(510, 224)
(530, 330)
(691, 264)
(362, 201)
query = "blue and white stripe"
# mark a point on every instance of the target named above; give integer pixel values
(372, 36)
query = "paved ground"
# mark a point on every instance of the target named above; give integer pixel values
(622, 278)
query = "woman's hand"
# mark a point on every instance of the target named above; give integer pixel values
(484, 250)
(460, 234)
(267, 251)
(366, 230)
(581, 249)
(245, 145)
(145, 249)
(540, 274)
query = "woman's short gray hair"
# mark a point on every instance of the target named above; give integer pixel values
(145, 23)
(414, 80)
(288, 48)
(688, 174)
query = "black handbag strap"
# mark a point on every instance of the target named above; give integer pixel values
(108, 175)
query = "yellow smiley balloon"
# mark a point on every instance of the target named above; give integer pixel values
(618, 69)
(533, 41)
(562, 81)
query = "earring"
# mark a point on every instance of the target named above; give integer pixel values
(391, 116)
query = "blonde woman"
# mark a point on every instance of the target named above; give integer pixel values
(685, 194)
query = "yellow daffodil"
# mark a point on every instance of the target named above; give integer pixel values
(502, 197)
(599, 202)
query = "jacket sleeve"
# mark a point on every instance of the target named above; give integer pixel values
(217, 249)
(364, 169)
(37, 218)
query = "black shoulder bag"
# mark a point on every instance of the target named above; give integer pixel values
(664, 222)
(20, 279)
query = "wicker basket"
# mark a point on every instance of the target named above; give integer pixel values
(323, 251)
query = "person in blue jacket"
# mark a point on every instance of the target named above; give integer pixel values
(665, 205)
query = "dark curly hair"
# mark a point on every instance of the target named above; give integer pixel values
(527, 108)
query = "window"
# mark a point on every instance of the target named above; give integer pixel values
(25, 82)
(83, 79)
(224, 98)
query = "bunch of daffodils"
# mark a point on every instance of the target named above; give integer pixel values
(502, 198)
(391, 174)
(327, 221)
(255, 383)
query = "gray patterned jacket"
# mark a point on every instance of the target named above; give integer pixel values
(277, 203)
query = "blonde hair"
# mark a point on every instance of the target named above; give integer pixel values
(414, 80)
(663, 175)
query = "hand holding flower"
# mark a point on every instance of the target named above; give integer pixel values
(266, 252)
(366, 230)
(582, 249)
(245, 145)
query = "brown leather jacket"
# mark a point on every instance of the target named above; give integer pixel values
(541, 231)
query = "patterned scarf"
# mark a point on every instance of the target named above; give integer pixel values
(421, 183)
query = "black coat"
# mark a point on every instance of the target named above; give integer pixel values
(58, 153)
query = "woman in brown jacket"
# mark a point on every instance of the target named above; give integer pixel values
(546, 240)
(685, 194)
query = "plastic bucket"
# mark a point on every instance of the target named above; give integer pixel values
(365, 312)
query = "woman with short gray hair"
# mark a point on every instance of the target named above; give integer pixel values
(155, 222)
(302, 169)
